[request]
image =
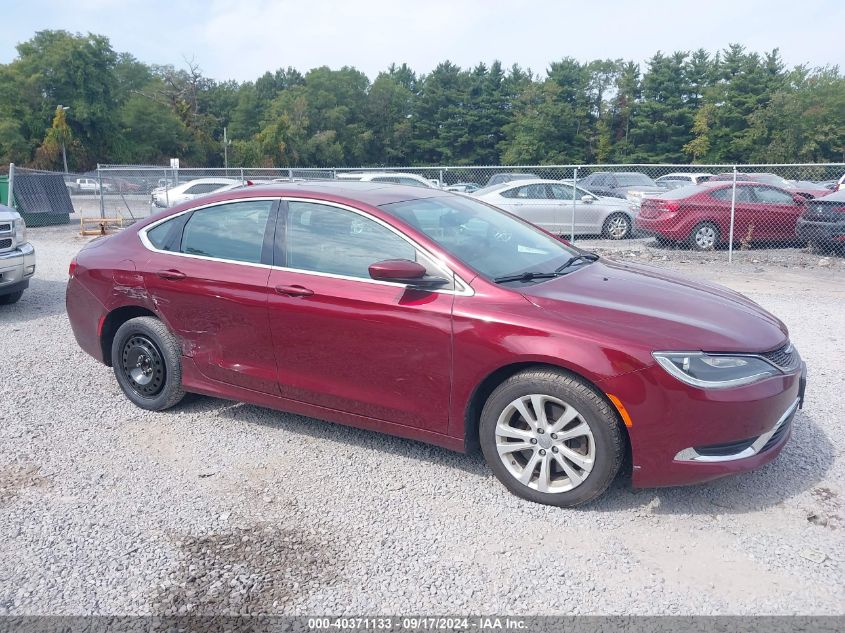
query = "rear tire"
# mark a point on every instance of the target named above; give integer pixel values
(704, 237)
(575, 456)
(147, 362)
(9, 299)
(617, 226)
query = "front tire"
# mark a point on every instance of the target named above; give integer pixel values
(147, 363)
(551, 438)
(617, 226)
(12, 297)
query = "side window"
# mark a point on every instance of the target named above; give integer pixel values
(564, 192)
(743, 194)
(165, 236)
(326, 239)
(527, 192)
(599, 180)
(203, 187)
(772, 196)
(233, 231)
(411, 182)
(391, 179)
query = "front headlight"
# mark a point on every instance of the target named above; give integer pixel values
(715, 371)
(20, 231)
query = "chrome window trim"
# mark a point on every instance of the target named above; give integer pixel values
(462, 288)
(691, 455)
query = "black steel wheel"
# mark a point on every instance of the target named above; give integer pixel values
(147, 362)
(143, 366)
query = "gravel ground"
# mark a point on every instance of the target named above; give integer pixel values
(216, 507)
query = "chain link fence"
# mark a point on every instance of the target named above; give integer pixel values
(736, 210)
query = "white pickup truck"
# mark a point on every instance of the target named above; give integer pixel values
(17, 256)
(86, 185)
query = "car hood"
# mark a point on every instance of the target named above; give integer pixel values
(659, 309)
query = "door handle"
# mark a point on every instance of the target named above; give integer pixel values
(171, 274)
(294, 291)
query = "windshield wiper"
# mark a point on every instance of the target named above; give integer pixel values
(528, 276)
(583, 257)
(532, 275)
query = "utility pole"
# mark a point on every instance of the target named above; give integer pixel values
(64, 151)
(226, 143)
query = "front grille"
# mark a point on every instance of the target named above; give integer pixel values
(784, 357)
(5, 243)
(5, 227)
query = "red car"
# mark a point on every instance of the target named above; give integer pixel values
(806, 190)
(429, 315)
(701, 214)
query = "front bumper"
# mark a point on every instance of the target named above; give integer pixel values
(16, 268)
(821, 231)
(676, 428)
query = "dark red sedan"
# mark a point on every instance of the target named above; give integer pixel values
(700, 215)
(432, 316)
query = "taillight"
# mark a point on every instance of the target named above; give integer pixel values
(71, 271)
(671, 205)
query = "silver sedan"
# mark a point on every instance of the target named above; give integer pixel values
(561, 208)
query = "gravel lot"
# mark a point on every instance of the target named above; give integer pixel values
(219, 507)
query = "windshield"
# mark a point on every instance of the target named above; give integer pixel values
(627, 180)
(490, 241)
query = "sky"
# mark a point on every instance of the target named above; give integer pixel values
(241, 39)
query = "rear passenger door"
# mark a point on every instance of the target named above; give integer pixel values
(207, 275)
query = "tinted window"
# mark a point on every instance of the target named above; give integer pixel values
(628, 180)
(772, 196)
(743, 194)
(232, 231)
(326, 239)
(391, 179)
(205, 187)
(411, 182)
(492, 242)
(564, 192)
(163, 236)
(526, 192)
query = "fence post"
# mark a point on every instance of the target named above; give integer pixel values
(441, 178)
(243, 182)
(166, 189)
(574, 195)
(733, 212)
(100, 187)
(290, 175)
(11, 185)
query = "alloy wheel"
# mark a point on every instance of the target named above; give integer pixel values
(617, 228)
(545, 443)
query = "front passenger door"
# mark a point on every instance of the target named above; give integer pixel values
(344, 341)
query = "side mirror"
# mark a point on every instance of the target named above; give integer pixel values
(588, 199)
(404, 271)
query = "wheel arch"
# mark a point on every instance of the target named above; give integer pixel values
(482, 391)
(112, 323)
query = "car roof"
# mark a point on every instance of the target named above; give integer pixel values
(371, 193)
(685, 173)
(210, 181)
